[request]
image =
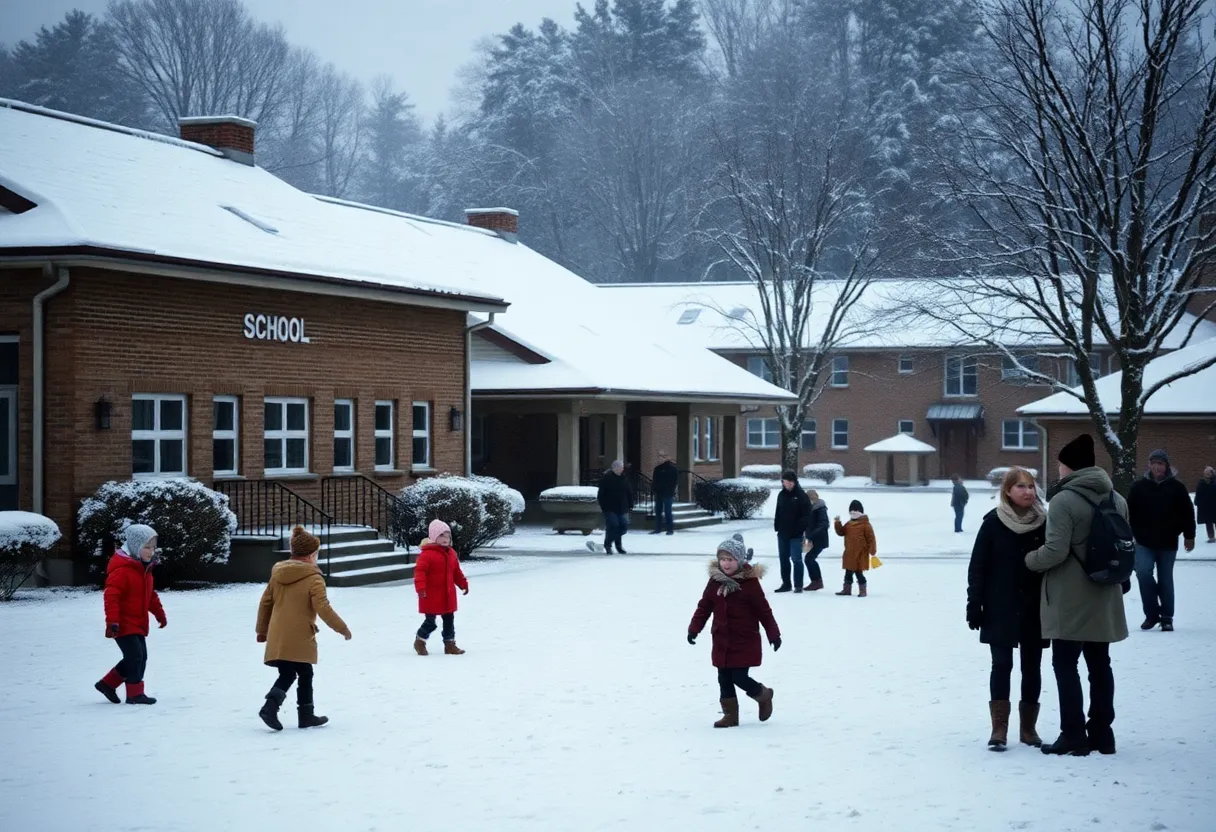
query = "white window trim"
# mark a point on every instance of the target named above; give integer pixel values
(10, 393)
(845, 359)
(763, 433)
(899, 365)
(284, 434)
(390, 434)
(348, 435)
(425, 432)
(804, 432)
(1025, 428)
(712, 453)
(233, 434)
(845, 446)
(963, 361)
(156, 435)
(899, 427)
(696, 439)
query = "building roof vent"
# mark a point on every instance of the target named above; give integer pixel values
(690, 316)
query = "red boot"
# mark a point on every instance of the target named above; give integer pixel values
(135, 694)
(108, 686)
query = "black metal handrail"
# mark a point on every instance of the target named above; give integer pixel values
(640, 484)
(270, 509)
(706, 493)
(356, 500)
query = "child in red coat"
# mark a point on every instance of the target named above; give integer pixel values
(436, 576)
(129, 598)
(736, 600)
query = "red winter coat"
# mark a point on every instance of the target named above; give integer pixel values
(129, 596)
(737, 618)
(436, 576)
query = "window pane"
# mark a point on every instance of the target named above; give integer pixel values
(171, 411)
(422, 450)
(384, 417)
(1011, 434)
(274, 416)
(224, 416)
(272, 453)
(143, 456)
(172, 456)
(342, 416)
(1030, 437)
(342, 453)
(296, 453)
(420, 417)
(384, 451)
(6, 426)
(143, 414)
(297, 418)
(223, 455)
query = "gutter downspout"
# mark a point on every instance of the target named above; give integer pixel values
(37, 479)
(1042, 471)
(468, 391)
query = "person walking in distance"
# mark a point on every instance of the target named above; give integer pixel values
(958, 502)
(859, 546)
(790, 522)
(1205, 502)
(1081, 616)
(130, 598)
(1003, 603)
(616, 501)
(437, 576)
(817, 539)
(1160, 511)
(664, 482)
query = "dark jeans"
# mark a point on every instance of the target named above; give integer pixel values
(1157, 596)
(958, 518)
(812, 563)
(861, 577)
(1064, 657)
(615, 526)
(429, 625)
(288, 673)
(789, 549)
(663, 513)
(134, 658)
(1002, 668)
(1211, 530)
(730, 678)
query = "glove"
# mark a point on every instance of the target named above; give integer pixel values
(261, 638)
(975, 616)
(692, 638)
(466, 590)
(111, 631)
(347, 636)
(776, 644)
(1189, 545)
(164, 622)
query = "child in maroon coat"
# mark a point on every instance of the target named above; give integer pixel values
(129, 599)
(437, 574)
(736, 600)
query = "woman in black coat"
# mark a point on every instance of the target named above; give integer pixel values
(1205, 502)
(1003, 602)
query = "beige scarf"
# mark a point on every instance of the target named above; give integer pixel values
(1020, 523)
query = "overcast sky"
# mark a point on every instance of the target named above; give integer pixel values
(420, 43)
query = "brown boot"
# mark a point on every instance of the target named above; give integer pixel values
(1028, 712)
(730, 714)
(450, 649)
(861, 591)
(765, 698)
(814, 585)
(848, 590)
(999, 710)
(420, 646)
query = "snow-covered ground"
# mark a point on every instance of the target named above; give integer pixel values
(579, 706)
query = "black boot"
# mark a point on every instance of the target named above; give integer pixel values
(1101, 738)
(310, 720)
(1071, 746)
(270, 711)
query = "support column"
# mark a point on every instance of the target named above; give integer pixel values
(614, 437)
(730, 447)
(684, 459)
(874, 468)
(913, 469)
(567, 449)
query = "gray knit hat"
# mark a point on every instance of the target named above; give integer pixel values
(734, 547)
(136, 537)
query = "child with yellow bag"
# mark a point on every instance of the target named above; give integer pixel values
(859, 547)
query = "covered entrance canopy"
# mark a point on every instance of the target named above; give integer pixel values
(908, 451)
(957, 427)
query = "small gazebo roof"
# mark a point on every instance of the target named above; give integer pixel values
(901, 444)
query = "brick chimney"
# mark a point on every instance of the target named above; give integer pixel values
(502, 221)
(230, 135)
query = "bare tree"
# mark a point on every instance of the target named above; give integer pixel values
(1087, 161)
(739, 26)
(340, 99)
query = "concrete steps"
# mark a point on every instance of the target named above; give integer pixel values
(684, 515)
(359, 557)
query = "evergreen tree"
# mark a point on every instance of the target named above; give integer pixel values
(393, 134)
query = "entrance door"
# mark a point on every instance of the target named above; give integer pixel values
(8, 448)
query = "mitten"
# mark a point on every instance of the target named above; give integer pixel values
(776, 644)
(261, 638)
(975, 616)
(112, 631)
(164, 622)
(692, 638)
(466, 590)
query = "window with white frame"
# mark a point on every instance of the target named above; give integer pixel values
(385, 436)
(810, 435)
(285, 436)
(840, 433)
(1019, 368)
(158, 435)
(763, 433)
(907, 426)
(8, 436)
(1074, 375)
(1019, 435)
(421, 455)
(840, 371)
(962, 376)
(906, 365)
(712, 451)
(224, 420)
(696, 438)
(344, 435)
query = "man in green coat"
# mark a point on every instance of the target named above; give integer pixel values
(1081, 617)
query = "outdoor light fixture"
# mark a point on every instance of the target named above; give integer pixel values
(101, 413)
(457, 420)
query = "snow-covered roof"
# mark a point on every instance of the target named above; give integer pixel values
(901, 444)
(725, 316)
(1192, 395)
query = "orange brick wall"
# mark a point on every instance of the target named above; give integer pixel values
(659, 434)
(1190, 444)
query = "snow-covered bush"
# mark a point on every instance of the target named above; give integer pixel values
(25, 539)
(570, 494)
(194, 525)
(479, 511)
(762, 472)
(738, 499)
(997, 475)
(514, 498)
(827, 472)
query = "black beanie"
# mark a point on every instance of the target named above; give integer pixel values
(1161, 455)
(789, 476)
(856, 506)
(1079, 453)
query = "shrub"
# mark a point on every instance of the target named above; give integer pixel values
(25, 539)
(737, 499)
(996, 475)
(762, 472)
(827, 472)
(478, 511)
(194, 526)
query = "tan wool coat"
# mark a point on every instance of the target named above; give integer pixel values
(859, 543)
(287, 615)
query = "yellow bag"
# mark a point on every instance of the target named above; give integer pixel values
(875, 562)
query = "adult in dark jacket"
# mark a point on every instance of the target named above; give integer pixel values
(1205, 502)
(1003, 603)
(958, 502)
(664, 482)
(616, 501)
(817, 538)
(1159, 510)
(791, 521)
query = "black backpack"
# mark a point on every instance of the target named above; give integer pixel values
(1110, 557)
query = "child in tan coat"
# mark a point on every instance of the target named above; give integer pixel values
(859, 547)
(287, 619)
